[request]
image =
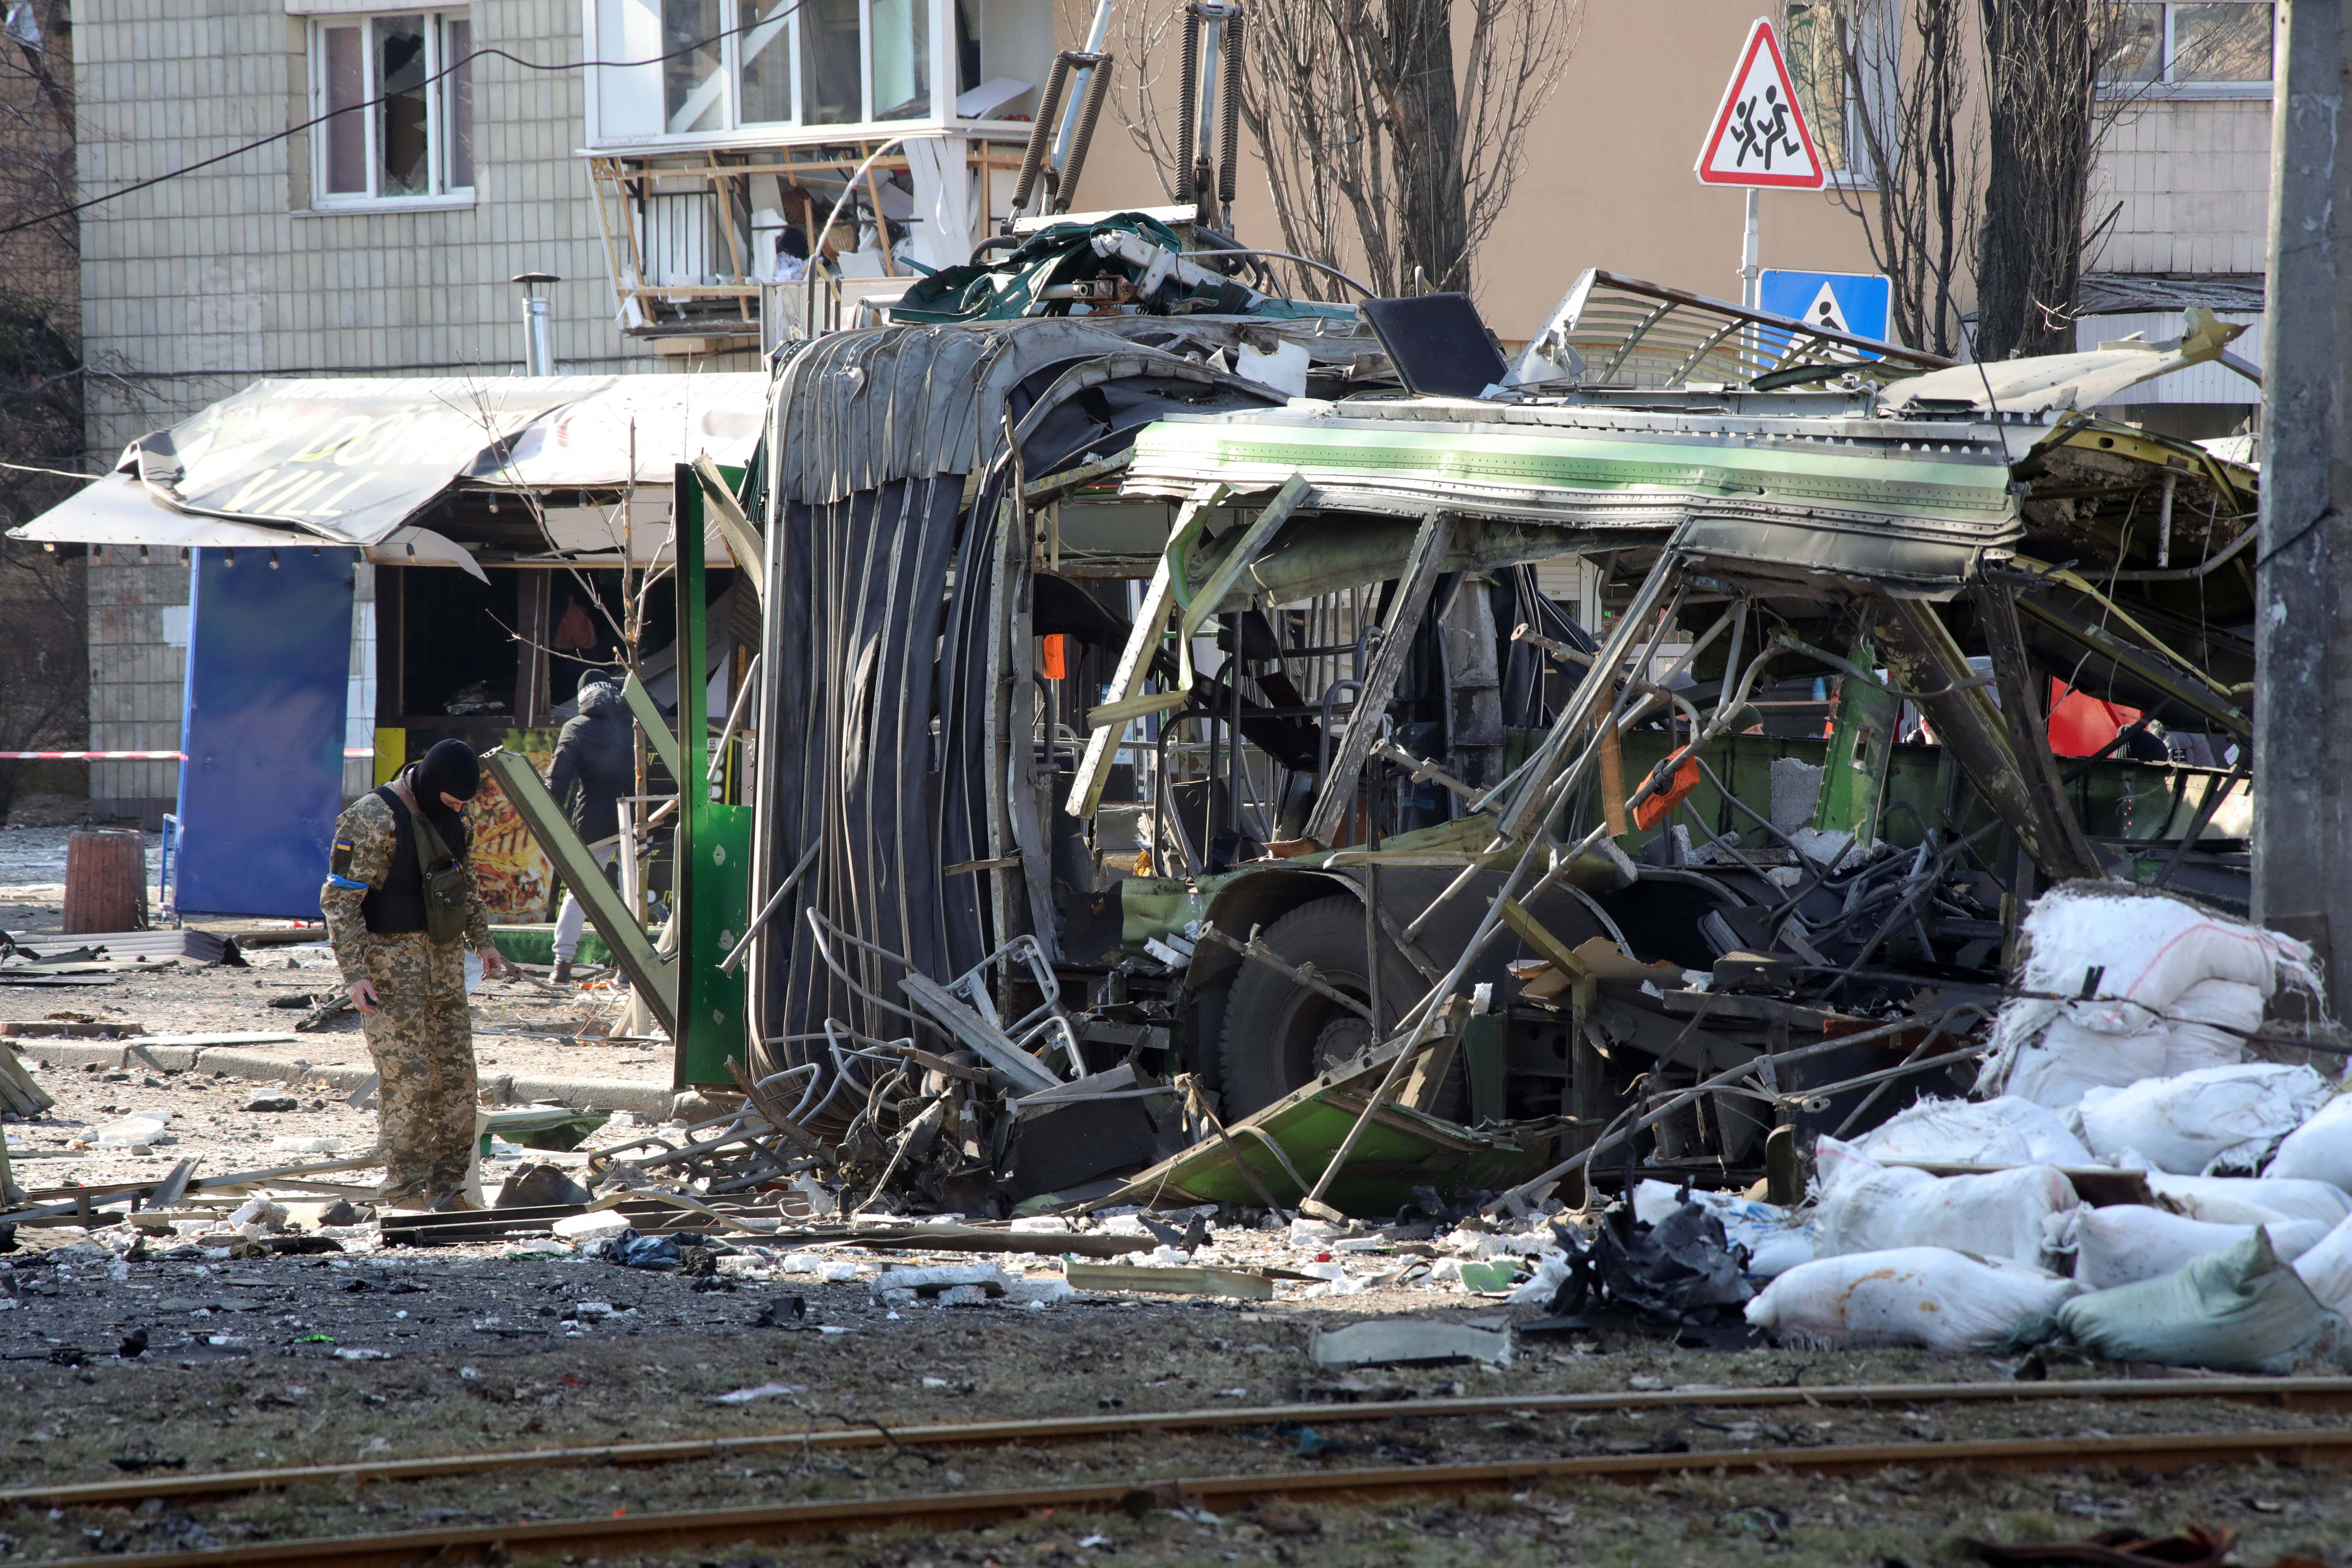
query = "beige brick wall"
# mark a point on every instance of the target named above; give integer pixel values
(135, 677)
(2193, 178)
(196, 286)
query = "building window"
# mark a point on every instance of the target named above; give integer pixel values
(2221, 47)
(1829, 48)
(710, 68)
(399, 89)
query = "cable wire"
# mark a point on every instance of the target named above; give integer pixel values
(487, 50)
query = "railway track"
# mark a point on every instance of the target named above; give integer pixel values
(2154, 1452)
(2280, 1393)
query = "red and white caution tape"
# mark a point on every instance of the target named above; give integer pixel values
(95, 756)
(131, 756)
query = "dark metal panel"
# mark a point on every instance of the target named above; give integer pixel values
(269, 641)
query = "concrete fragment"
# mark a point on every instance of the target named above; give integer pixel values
(986, 1276)
(602, 1226)
(1400, 1342)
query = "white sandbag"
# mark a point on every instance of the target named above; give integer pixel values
(2207, 1026)
(2250, 1200)
(2321, 1148)
(2010, 1131)
(1776, 1238)
(2148, 949)
(2136, 953)
(2209, 1121)
(2237, 1310)
(2326, 1268)
(1927, 1295)
(2126, 1243)
(1869, 1207)
(2069, 1060)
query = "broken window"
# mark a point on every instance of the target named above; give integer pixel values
(766, 48)
(1841, 56)
(694, 81)
(902, 59)
(2221, 46)
(399, 91)
(829, 94)
(710, 68)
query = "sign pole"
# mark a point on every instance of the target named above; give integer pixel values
(1750, 271)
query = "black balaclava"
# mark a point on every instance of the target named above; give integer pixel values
(452, 768)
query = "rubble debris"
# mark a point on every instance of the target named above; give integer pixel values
(1775, 1240)
(950, 1286)
(1248, 1284)
(1681, 1272)
(20, 1096)
(1402, 1343)
(2196, 1546)
(271, 1103)
(536, 1186)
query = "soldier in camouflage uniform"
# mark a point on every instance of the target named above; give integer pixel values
(411, 987)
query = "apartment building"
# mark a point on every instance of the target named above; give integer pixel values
(669, 183)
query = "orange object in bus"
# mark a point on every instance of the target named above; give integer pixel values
(1056, 660)
(1660, 806)
(2082, 725)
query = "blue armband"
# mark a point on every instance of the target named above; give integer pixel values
(335, 882)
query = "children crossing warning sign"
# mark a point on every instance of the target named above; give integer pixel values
(1759, 137)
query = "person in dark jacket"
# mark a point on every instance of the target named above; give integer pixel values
(595, 764)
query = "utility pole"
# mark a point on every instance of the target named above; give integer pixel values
(2303, 598)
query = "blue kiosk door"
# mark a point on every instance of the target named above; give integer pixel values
(269, 653)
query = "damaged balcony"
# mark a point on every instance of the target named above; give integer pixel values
(882, 135)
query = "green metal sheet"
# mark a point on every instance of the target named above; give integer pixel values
(1862, 743)
(1533, 458)
(1286, 1146)
(714, 849)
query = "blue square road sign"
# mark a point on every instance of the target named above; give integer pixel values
(1860, 304)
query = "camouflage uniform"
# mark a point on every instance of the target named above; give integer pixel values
(422, 1036)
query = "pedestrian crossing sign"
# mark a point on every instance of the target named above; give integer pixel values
(1760, 136)
(1856, 304)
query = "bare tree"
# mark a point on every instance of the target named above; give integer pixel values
(2039, 84)
(44, 675)
(1888, 89)
(2060, 75)
(1409, 115)
(1390, 131)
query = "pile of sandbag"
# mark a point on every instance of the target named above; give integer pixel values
(1864, 1206)
(2123, 1243)
(2007, 1131)
(2209, 1122)
(2244, 1308)
(2321, 1148)
(1931, 1297)
(2121, 983)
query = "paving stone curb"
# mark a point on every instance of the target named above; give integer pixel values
(652, 1101)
